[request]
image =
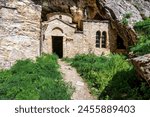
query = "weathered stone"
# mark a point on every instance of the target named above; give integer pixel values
(143, 7)
(114, 10)
(19, 31)
(142, 65)
(73, 41)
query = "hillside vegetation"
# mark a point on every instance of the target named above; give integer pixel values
(111, 77)
(28, 80)
(143, 45)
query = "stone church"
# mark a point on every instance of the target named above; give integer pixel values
(23, 34)
(62, 37)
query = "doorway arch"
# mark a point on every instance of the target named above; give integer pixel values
(57, 41)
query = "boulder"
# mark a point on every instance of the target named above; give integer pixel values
(142, 66)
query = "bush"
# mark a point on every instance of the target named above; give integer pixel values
(143, 44)
(110, 77)
(34, 80)
(127, 15)
(143, 27)
(125, 21)
(125, 18)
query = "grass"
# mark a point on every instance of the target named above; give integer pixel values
(111, 77)
(39, 80)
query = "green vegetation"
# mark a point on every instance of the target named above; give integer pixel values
(125, 18)
(143, 27)
(143, 45)
(30, 80)
(111, 77)
(124, 21)
(127, 15)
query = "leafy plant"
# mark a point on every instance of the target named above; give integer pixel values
(110, 77)
(125, 18)
(30, 80)
(124, 21)
(127, 15)
(143, 44)
(143, 27)
(142, 47)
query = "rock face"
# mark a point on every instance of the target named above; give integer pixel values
(113, 10)
(19, 31)
(142, 65)
(116, 9)
(119, 7)
(143, 7)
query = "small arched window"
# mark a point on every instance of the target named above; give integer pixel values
(98, 35)
(120, 43)
(104, 37)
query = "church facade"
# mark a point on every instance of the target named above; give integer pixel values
(62, 37)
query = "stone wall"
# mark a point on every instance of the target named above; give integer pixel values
(59, 28)
(90, 27)
(19, 31)
(76, 42)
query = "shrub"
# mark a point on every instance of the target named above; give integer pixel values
(34, 80)
(143, 27)
(124, 21)
(127, 15)
(110, 77)
(125, 18)
(143, 44)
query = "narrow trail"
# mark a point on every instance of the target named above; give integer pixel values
(70, 75)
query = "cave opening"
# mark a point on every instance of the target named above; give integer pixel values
(120, 43)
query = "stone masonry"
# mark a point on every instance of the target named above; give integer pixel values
(74, 41)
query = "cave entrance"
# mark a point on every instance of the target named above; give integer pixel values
(57, 45)
(120, 43)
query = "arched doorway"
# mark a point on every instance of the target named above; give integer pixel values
(57, 42)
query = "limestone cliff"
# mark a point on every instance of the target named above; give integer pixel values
(19, 31)
(114, 10)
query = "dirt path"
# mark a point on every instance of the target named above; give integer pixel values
(71, 75)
